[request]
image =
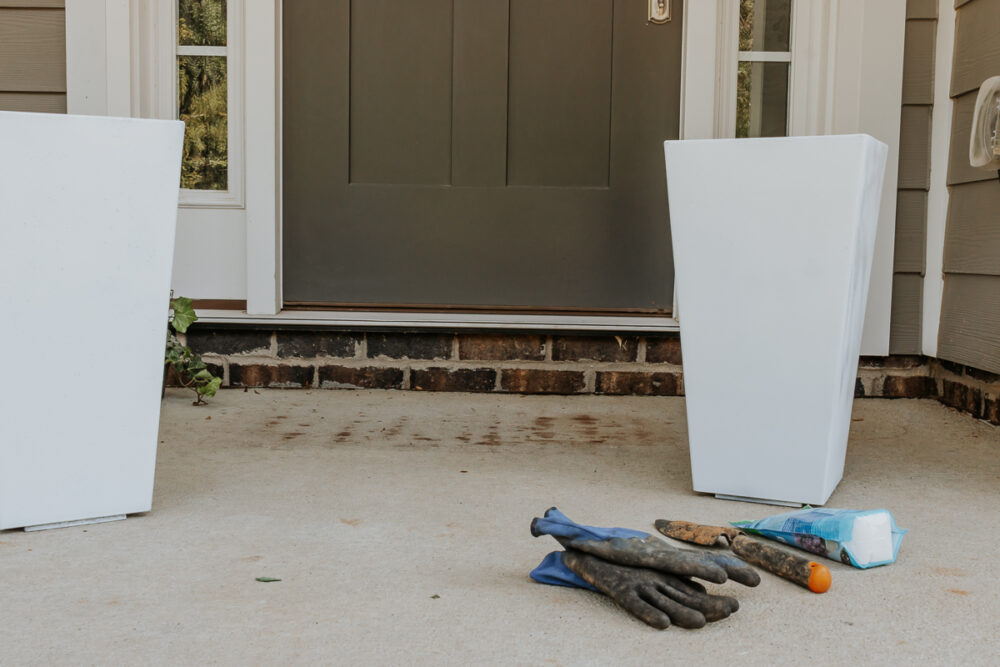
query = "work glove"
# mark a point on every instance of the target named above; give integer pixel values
(634, 548)
(656, 598)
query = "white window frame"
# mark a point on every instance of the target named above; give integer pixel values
(232, 197)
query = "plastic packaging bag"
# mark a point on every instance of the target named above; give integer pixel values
(860, 538)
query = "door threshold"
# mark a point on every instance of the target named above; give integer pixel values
(443, 320)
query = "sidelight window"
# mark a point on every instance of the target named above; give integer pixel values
(208, 100)
(765, 58)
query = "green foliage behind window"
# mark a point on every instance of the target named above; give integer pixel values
(201, 93)
(201, 23)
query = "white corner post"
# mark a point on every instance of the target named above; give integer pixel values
(938, 195)
(867, 97)
(706, 72)
(98, 58)
(263, 156)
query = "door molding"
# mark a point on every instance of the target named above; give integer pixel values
(844, 79)
(263, 151)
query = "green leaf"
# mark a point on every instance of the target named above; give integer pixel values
(184, 315)
(210, 388)
(267, 580)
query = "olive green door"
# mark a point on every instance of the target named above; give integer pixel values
(478, 153)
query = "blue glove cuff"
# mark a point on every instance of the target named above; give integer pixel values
(552, 571)
(557, 524)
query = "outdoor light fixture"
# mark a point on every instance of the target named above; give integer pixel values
(984, 144)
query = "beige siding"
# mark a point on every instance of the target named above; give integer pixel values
(921, 9)
(970, 321)
(970, 311)
(915, 147)
(911, 222)
(907, 293)
(972, 244)
(918, 62)
(33, 4)
(33, 55)
(44, 102)
(914, 176)
(977, 48)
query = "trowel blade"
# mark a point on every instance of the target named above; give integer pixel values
(695, 533)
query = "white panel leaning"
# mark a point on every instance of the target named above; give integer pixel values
(88, 210)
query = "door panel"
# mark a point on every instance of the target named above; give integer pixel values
(478, 153)
(479, 92)
(560, 92)
(400, 81)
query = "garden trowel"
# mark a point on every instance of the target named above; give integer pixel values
(802, 571)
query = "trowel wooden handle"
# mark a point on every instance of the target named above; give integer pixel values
(804, 572)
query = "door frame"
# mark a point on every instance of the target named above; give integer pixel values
(838, 77)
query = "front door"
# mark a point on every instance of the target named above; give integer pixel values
(478, 154)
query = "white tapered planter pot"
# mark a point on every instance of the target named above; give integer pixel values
(773, 242)
(88, 209)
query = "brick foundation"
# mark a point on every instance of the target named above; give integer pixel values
(532, 363)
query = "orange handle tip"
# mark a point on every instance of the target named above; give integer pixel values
(819, 578)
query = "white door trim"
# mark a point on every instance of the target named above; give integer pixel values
(263, 152)
(939, 194)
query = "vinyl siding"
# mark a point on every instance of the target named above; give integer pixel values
(914, 176)
(970, 311)
(33, 55)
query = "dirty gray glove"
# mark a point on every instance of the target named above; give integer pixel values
(635, 548)
(655, 598)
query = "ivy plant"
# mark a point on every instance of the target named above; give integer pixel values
(191, 371)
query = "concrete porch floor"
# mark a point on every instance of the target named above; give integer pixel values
(398, 525)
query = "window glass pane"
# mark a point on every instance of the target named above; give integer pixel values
(762, 99)
(201, 22)
(201, 104)
(765, 25)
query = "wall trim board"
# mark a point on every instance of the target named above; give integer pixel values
(937, 195)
